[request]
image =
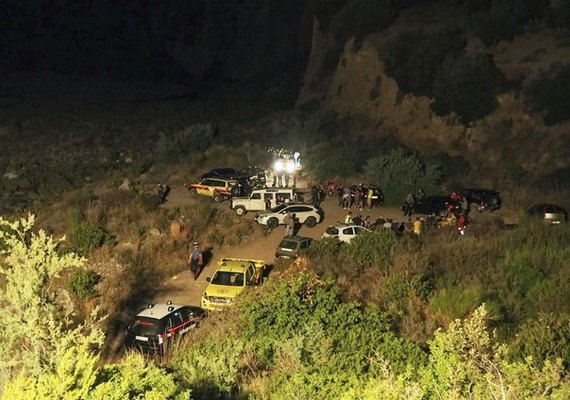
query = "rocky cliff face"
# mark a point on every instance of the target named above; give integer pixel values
(511, 137)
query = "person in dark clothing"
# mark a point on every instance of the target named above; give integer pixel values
(196, 260)
(357, 220)
(162, 192)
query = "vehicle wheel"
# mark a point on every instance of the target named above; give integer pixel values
(217, 198)
(311, 221)
(240, 210)
(272, 223)
(193, 192)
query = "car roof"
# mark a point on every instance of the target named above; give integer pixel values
(234, 265)
(159, 310)
(295, 238)
(345, 225)
(215, 178)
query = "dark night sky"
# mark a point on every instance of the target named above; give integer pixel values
(252, 42)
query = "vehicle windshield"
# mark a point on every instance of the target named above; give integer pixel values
(331, 230)
(288, 244)
(144, 326)
(227, 278)
(279, 207)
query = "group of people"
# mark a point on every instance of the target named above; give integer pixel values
(355, 197)
(415, 227)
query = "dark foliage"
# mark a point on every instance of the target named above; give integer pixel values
(413, 58)
(467, 85)
(550, 93)
(506, 19)
(557, 16)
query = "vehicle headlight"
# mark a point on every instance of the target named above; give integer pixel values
(278, 166)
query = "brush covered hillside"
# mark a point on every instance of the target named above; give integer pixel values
(438, 95)
(484, 80)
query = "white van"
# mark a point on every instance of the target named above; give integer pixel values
(263, 199)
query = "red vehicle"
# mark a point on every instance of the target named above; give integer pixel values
(329, 187)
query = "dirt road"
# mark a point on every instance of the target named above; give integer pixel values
(185, 290)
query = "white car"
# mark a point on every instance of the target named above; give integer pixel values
(345, 232)
(259, 198)
(304, 213)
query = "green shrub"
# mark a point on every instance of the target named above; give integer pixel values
(545, 337)
(82, 282)
(467, 85)
(375, 249)
(403, 167)
(177, 146)
(550, 94)
(86, 236)
(455, 302)
(413, 57)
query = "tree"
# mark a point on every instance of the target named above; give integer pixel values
(467, 85)
(42, 355)
(32, 323)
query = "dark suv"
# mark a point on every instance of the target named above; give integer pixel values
(482, 199)
(222, 173)
(291, 246)
(156, 328)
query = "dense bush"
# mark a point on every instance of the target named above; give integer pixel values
(550, 94)
(81, 283)
(179, 145)
(467, 85)
(86, 236)
(413, 57)
(400, 166)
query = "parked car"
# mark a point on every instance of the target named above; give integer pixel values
(345, 232)
(231, 278)
(551, 213)
(155, 329)
(305, 214)
(223, 173)
(217, 189)
(263, 199)
(438, 205)
(291, 246)
(482, 199)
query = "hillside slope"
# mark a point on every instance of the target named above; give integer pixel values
(510, 138)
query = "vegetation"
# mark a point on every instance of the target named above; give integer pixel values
(414, 57)
(549, 93)
(467, 86)
(504, 20)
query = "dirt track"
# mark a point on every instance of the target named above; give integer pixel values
(183, 289)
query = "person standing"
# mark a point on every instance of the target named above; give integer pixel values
(369, 196)
(348, 218)
(418, 226)
(289, 224)
(196, 260)
(410, 202)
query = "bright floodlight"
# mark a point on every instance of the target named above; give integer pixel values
(290, 167)
(278, 166)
